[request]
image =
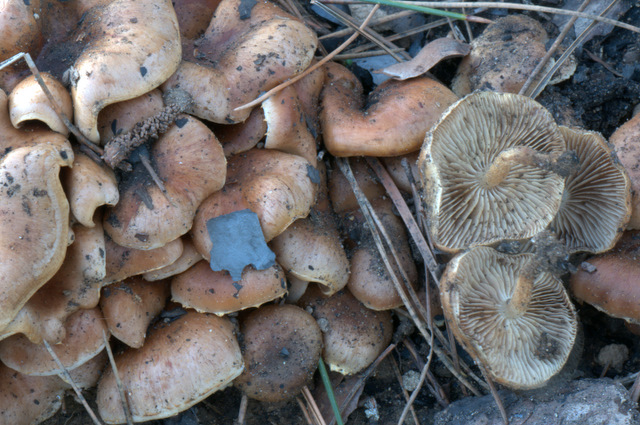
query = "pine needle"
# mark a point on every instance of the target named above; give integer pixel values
(329, 389)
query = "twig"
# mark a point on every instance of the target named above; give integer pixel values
(495, 395)
(315, 411)
(495, 5)
(608, 67)
(536, 71)
(373, 23)
(309, 70)
(156, 179)
(114, 368)
(242, 411)
(414, 394)
(66, 374)
(396, 370)
(305, 411)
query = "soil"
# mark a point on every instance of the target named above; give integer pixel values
(600, 96)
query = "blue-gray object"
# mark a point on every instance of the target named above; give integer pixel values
(238, 241)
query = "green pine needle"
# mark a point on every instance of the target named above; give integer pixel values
(329, 389)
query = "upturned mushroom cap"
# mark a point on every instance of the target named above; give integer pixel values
(282, 346)
(278, 187)
(76, 285)
(130, 49)
(190, 161)
(519, 350)
(612, 282)
(130, 306)
(395, 122)
(34, 222)
(123, 262)
(465, 204)
(28, 400)
(502, 57)
(354, 336)
(181, 363)
(84, 339)
(243, 52)
(28, 102)
(596, 202)
(215, 292)
(625, 142)
(89, 185)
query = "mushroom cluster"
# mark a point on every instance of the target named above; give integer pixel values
(497, 171)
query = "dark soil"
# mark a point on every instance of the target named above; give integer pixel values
(599, 98)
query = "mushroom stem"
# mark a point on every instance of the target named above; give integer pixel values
(501, 166)
(521, 296)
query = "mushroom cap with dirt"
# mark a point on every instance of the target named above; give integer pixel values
(398, 115)
(491, 170)
(521, 340)
(181, 363)
(625, 142)
(282, 346)
(596, 202)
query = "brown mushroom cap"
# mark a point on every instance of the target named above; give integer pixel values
(465, 204)
(612, 282)
(399, 115)
(596, 202)
(28, 400)
(354, 336)
(130, 306)
(215, 292)
(28, 102)
(180, 364)
(76, 285)
(20, 32)
(130, 49)
(190, 161)
(502, 57)
(518, 349)
(34, 222)
(625, 141)
(278, 187)
(121, 117)
(84, 339)
(238, 138)
(187, 259)
(282, 346)
(252, 51)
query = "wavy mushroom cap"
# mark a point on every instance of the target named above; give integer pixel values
(596, 202)
(34, 222)
(121, 117)
(130, 48)
(130, 306)
(27, 102)
(181, 363)
(520, 350)
(188, 258)
(480, 175)
(84, 339)
(612, 282)
(398, 115)
(354, 336)
(282, 347)
(243, 52)
(238, 138)
(88, 186)
(209, 291)
(189, 160)
(278, 187)
(76, 285)
(625, 142)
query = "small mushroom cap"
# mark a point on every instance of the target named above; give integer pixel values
(129, 306)
(354, 336)
(28, 400)
(215, 292)
(84, 339)
(282, 346)
(181, 363)
(625, 141)
(458, 152)
(28, 102)
(518, 350)
(611, 283)
(89, 185)
(131, 49)
(238, 138)
(34, 222)
(596, 202)
(395, 122)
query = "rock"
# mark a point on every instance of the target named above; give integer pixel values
(583, 402)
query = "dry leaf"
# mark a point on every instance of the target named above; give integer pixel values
(427, 58)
